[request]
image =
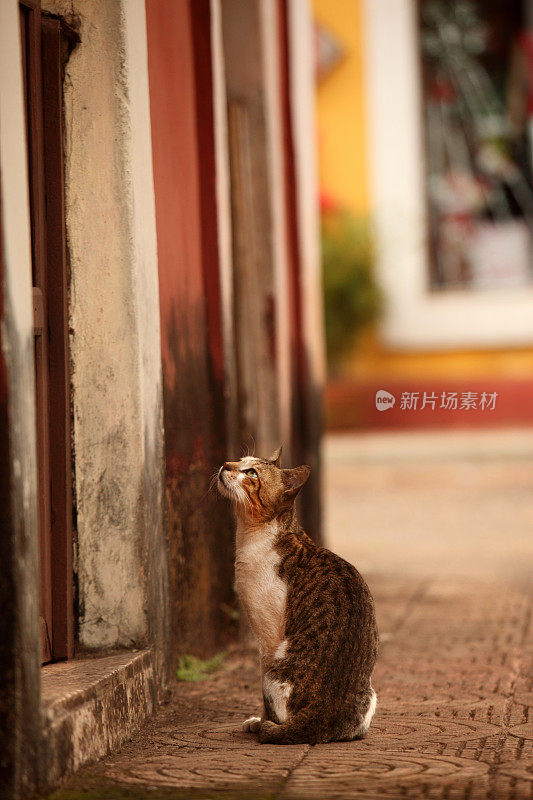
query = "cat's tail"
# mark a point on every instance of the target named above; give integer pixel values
(287, 733)
(308, 726)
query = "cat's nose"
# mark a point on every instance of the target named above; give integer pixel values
(224, 466)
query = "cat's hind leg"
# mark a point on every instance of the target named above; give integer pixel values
(369, 715)
(358, 728)
(275, 696)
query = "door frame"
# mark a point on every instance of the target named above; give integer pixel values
(42, 47)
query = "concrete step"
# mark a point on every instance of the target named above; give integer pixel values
(91, 706)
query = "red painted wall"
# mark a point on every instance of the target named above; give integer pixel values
(175, 163)
(200, 532)
(350, 405)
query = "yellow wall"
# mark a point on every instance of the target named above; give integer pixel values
(341, 112)
(370, 361)
(343, 170)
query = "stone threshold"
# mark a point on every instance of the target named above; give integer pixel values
(91, 706)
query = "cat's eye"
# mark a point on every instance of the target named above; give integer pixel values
(250, 472)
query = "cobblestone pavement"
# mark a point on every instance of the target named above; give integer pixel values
(444, 539)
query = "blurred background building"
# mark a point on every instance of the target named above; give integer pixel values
(425, 151)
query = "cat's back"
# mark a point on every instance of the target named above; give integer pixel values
(326, 594)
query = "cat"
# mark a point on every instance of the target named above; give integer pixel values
(310, 611)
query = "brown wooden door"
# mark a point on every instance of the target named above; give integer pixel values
(57, 38)
(42, 65)
(30, 23)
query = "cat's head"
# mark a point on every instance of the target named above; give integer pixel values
(259, 489)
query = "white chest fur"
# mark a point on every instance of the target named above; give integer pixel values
(262, 592)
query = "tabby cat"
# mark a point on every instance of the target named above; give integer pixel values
(310, 611)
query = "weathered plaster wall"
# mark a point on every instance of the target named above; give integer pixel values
(155, 556)
(114, 318)
(19, 557)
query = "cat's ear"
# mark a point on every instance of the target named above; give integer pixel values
(294, 479)
(275, 458)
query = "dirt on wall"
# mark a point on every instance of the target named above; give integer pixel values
(199, 522)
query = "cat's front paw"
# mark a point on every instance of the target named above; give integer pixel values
(251, 725)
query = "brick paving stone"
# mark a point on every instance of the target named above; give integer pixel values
(454, 681)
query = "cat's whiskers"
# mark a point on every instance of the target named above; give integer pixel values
(214, 479)
(211, 485)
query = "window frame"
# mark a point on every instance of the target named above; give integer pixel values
(418, 317)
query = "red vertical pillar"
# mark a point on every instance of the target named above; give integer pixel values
(200, 533)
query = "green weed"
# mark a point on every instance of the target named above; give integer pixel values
(191, 668)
